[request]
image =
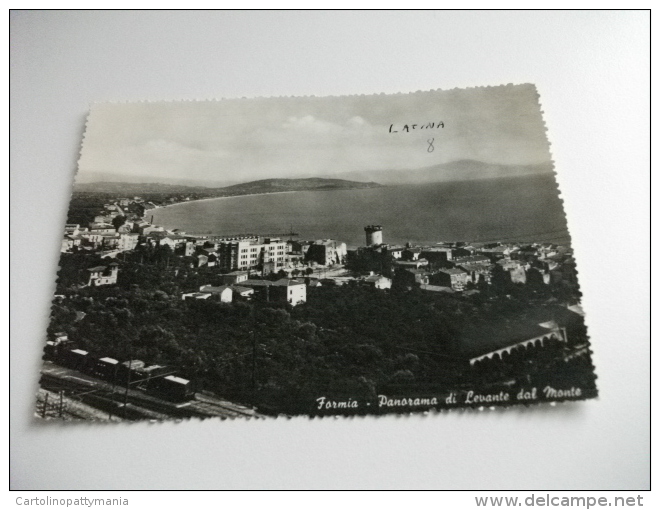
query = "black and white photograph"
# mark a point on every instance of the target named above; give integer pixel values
(315, 256)
(446, 283)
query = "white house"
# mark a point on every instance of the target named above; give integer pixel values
(102, 275)
(379, 282)
(224, 292)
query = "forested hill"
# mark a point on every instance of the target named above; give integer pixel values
(314, 183)
(247, 188)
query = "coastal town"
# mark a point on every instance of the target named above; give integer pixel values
(123, 244)
(450, 267)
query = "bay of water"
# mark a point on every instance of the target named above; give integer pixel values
(508, 209)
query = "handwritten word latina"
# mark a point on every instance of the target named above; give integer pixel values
(407, 128)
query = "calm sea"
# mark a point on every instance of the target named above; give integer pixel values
(508, 209)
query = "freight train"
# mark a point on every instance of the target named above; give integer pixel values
(155, 379)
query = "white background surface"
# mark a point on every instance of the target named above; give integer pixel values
(591, 69)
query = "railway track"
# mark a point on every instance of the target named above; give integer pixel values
(235, 409)
(134, 404)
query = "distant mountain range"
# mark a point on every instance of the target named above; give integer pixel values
(108, 177)
(462, 170)
(247, 188)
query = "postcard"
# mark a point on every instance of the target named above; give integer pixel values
(315, 256)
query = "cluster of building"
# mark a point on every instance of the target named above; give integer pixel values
(122, 227)
(243, 261)
(442, 267)
(110, 229)
(238, 284)
(453, 266)
(267, 254)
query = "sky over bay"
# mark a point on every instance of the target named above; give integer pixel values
(241, 140)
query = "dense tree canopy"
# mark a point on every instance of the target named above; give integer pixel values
(350, 340)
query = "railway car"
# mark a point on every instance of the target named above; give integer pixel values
(172, 387)
(155, 379)
(144, 375)
(75, 358)
(106, 368)
(129, 369)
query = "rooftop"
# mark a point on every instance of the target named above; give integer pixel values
(440, 249)
(178, 380)
(284, 282)
(209, 288)
(471, 259)
(498, 333)
(375, 278)
(418, 271)
(452, 270)
(198, 295)
(475, 266)
(437, 288)
(136, 363)
(240, 289)
(257, 283)
(418, 262)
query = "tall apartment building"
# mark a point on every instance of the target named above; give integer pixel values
(241, 255)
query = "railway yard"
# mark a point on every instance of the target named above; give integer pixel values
(72, 395)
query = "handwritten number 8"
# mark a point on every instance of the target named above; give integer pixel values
(430, 142)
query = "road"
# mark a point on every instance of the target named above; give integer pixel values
(81, 391)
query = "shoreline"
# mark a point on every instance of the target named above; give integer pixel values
(261, 194)
(561, 235)
(229, 196)
(222, 198)
(157, 207)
